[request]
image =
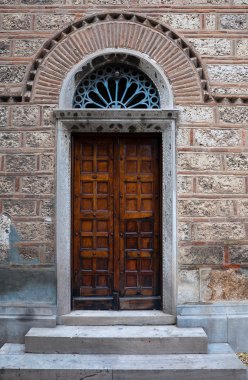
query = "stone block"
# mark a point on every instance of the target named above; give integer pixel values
(7, 184)
(48, 116)
(223, 285)
(210, 21)
(236, 161)
(205, 208)
(19, 207)
(113, 318)
(188, 286)
(193, 2)
(102, 2)
(236, 115)
(47, 254)
(217, 137)
(225, 208)
(237, 332)
(201, 255)
(233, 21)
(238, 254)
(4, 47)
(35, 231)
(29, 254)
(214, 326)
(25, 116)
(201, 161)
(121, 367)
(40, 140)
(48, 208)
(10, 139)
(195, 114)
(38, 185)
(182, 21)
(12, 73)
(41, 2)
(240, 2)
(52, 22)
(15, 21)
(184, 184)
(228, 73)
(184, 231)
(183, 137)
(20, 163)
(242, 47)
(221, 185)
(197, 207)
(116, 340)
(5, 223)
(4, 112)
(47, 162)
(211, 46)
(220, 231)
(27, 47)
(242, 206)
(149, 2)
(229, 90)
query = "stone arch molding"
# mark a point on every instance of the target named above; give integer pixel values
(178, 61)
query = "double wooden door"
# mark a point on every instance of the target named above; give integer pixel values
(116, 222)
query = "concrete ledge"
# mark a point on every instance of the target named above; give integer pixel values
(227, 322)
(13, 328)
(214, 326)
(105, 318)
(121, 367)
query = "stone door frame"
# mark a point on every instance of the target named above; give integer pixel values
(107, 121)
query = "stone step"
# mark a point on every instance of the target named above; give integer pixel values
(129, 340)
(123, 317)
(24, 366)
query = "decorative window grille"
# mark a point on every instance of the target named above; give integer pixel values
(116, 86)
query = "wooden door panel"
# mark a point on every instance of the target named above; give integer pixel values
(139, 222)
(116, 223)
(93, 217)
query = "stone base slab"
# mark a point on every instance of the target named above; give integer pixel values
(130, 340)
(23, 366)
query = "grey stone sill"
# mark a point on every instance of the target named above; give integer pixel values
(224, 308)
(116, 114)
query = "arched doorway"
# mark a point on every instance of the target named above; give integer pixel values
(155, 48)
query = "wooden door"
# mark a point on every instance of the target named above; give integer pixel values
(116, 222)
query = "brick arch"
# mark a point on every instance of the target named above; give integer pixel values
(177, 60)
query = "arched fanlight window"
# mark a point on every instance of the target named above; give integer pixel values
(116, 86)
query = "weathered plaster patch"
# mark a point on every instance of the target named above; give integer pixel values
(10, 249)
(5, 223)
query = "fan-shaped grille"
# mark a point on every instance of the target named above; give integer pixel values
(116, 86)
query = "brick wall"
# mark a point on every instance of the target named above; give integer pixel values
(212, 159)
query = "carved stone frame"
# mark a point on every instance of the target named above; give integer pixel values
(107, 121)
